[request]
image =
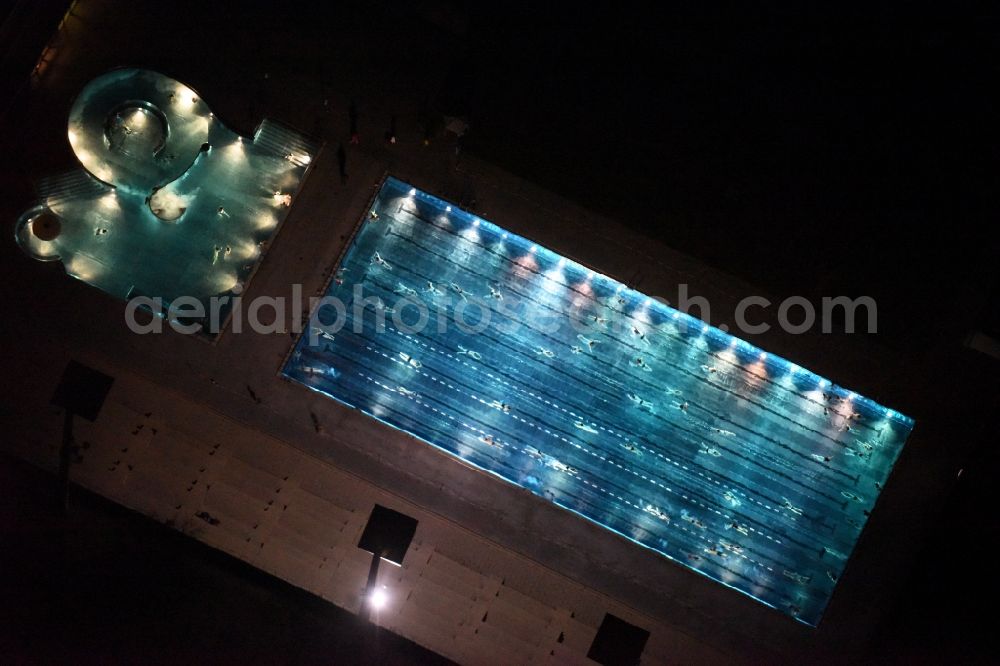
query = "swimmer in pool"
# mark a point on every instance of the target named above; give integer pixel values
(639, 402)
(379, 261)
(631, 448)
(639, 334)
(657, 512)
(691, 519)
(474, 355)
(798, 578)
(587, 341)
(732, 547)
(560, 466)
(406, 291)
(791, 508)
(640, 363)
(736, 527)
(409, 360)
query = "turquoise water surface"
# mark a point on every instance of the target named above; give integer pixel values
(734, 463)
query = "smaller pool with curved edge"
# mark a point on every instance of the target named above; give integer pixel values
(169, 201)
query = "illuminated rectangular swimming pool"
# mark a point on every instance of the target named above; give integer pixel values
(734, 463)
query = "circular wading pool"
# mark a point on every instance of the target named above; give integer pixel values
(144, 142)
(136, 130)
(37, 231)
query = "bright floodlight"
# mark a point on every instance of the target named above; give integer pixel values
(379, 598)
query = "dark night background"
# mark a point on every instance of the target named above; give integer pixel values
(807, 153)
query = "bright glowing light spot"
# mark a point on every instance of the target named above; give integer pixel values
(83, 268)
(794, 368)
(447, 209)
(109, 200)
(763, 355)
(379, 598)
(534, 248)
(728, 355)
(413, 192)
(889, 413)
(305, 159)
(226, 282)
(475, 223)
(852, 395)
(235, 150)
(823, 382)
(265, 221)
(732, 343)
(704, 329)
(562, 262)
(504, 235)
(248, 250)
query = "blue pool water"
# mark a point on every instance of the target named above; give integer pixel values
(732, 462)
